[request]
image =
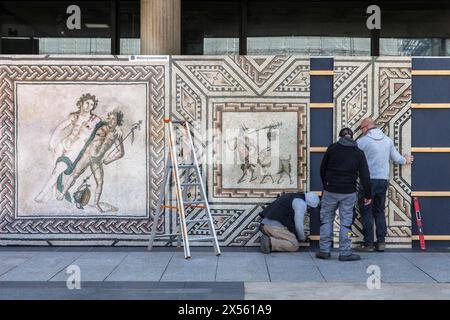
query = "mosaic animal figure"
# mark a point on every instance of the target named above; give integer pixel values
(265, 164)
(285, 168)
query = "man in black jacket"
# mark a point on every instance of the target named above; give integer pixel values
(341, 165)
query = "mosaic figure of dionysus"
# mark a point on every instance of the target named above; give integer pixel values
(67, 150)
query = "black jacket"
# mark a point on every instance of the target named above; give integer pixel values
(341, 165)
(281, 210)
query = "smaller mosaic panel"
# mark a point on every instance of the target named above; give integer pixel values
(260, 150)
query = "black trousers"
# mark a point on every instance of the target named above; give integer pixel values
(374, 212)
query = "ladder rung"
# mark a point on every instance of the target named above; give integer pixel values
(187, 205)
(194, 202)
(169, 207)
(166, 235)
(201, 239)
(195, 206)
(186, 166)
(197, 220)
(189, 184)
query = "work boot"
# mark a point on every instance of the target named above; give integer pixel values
(351, 257)
(323, 255)
(261, 228)
(365, 247)
(380, 247)
(265, 244)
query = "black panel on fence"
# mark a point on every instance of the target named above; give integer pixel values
(321, 124)
(321, 63)
(431, 172)
(430, 64)
(321, 127)
(435, 216)
(314, 223)
(430, 89)
(430, 128)
(321, 89)
(315, 182)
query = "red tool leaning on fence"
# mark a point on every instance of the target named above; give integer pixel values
(419, 223)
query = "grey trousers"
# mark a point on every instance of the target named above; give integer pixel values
(330, 203)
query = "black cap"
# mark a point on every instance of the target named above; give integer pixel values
(346, 132)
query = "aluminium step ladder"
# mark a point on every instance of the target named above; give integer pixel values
(172, 166)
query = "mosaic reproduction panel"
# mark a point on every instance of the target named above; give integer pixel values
(379, 88)
(82, 146)
(250, 121)
(82, 143)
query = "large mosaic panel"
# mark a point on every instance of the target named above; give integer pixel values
(379, 88)
(82, 143)
(250, 121)
(82, 146)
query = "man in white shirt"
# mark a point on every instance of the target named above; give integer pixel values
(379, 150)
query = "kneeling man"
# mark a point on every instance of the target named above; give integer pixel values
(283, 221)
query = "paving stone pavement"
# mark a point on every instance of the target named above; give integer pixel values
(345, 291)
(134, 273)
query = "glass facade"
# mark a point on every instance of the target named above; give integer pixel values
(129, 27)
(50, 27)
(317, 46)
(414, 46)
(210, 27)
(33, 27)
(304, 28)
(422, 30)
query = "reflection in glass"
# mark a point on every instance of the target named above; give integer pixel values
(74, 45)
(210, 27)
(221, 46)
(309, 45)
(130, 46)
(414, 47)
(129, 27)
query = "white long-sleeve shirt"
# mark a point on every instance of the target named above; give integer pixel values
(379, 149)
